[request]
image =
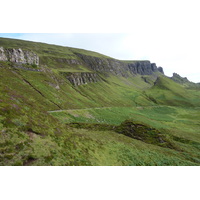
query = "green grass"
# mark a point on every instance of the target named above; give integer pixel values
(180, 125)
(168, 117)
(167, 92)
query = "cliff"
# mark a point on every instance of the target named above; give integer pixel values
(177, 78)
(18, 56)
(90, 64)
(81, 78)
(144, 68)
(160, 69)
(184, 81)
(119, 68)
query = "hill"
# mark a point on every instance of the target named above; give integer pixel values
(68, 106)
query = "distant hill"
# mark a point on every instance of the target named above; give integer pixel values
(184, 81)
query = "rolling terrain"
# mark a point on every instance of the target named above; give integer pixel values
(68, 106)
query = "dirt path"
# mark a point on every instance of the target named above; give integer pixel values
(52, 111)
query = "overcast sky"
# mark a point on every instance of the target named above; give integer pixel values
(164, 32)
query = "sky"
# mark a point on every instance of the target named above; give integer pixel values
(164, 32)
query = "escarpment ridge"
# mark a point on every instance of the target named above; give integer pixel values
(90, 65)
(117, 67)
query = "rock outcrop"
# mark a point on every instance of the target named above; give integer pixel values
(119, 68)
(104, 64)
(3, 55)
(160, 69)
(177, 78)
(18, 56)
(81, 78)
(184, 81)
(142, 67)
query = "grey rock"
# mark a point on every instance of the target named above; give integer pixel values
(184, 81)
(160, 69)
(81, 78)
(31, 58)
(18, 56)
(117, 67)
(154, 67)
(2, 54)
(105, 65)
(177, 78)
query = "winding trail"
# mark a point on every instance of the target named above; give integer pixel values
(52, 111)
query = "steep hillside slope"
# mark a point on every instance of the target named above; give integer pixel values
(66, 106)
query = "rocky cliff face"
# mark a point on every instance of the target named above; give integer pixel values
(18, 56)
(160, 69)
(177, 78)
(117, 67)
(184, 81)
(104, 64)
(97, 64)
(81, 78)
(142, 67)
(2, 54)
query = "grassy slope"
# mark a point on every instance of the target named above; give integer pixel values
(32, 136)
(166, 91)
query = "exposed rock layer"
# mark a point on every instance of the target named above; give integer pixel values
(142, 67)
(184, 81)
(81, 78)
(160, 69)
(177, 78)
(18, 56)
(97, 65)
(119, 67)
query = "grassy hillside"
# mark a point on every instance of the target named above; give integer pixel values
(135, 120)
(165, 91)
